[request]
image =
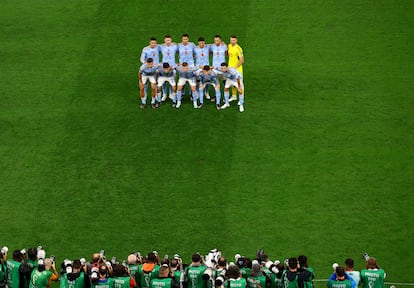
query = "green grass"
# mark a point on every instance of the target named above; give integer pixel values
(321, 162)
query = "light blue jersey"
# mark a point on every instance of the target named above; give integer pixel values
(168, 53)
(148, 71)
(148, 52)
(232, 74)
(161, 72)
(189, 74)
(219, 54)
(202, 55)
(209, 78)
(186, 53)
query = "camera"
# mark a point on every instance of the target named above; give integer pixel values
(23, 251)
(4, 251)
(221, 278)
(102, 253)
(272, 267)
(208, 274)
(365, 256)
(94, 275)
(52, 258)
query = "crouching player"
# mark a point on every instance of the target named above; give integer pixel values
(233, 79)
(166, 73)
(186, 74)
(147, 72)
(208, 76)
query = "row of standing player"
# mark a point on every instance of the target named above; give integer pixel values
(194, 56)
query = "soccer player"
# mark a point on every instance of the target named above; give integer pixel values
(186, 74)
(233, 79)
(147, 72)
(168, 51)
(186, 50)
(236, 60)
(208, 76)
(165, 74)
(219, 51)
(373, 276)
(150, 51)
(202, 58)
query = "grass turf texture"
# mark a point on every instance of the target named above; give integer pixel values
(321, 162)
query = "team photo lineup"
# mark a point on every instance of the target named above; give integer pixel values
(203, 67)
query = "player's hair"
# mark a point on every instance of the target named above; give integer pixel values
(233, 36)
(153, 39)
(150, 60)
(223, 64)
(167, 36)
(293, 263)
(185, 64)
(303, 261)
(233, 271)
(196, 257)
(217, 36)
(349, 263)
(340, 271)
(206, 67)
(201, 39)
(222, 262)
(185, 35)
(165, 65)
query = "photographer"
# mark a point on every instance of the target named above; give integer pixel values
(44, 274)
(3, 267)
(258, 278)
(341, 281)
(133, 265)
(194, 273)
(121, 276)
(303, 267)
(373, 276)
(148, 271)
(176, 268)
(16, 270)
(164, 279)
(73, 275)
(100, 277)
(235, 279)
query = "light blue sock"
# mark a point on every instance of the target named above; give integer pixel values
(178, 95)
(159, 96)
(195, 97)
(153, 100)
(241, 99)
(226, 97)
(144, 100)
(146, 88)
(200, 95)
(218, 95)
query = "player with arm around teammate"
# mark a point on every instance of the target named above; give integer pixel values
(147, 72)
(233, 79)
(202, 58)
(186, 74)
(165, 74)
(168, 52)
(208, 77)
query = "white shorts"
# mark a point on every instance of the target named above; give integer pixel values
(162, 80)
(230, 83)
(182, 81)
(150, 78)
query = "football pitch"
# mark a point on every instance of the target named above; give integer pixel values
(321, 162)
